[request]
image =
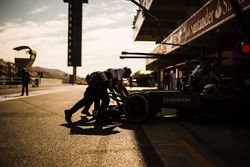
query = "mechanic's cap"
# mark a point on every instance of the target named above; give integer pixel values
(127, 72)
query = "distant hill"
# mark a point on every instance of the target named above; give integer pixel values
(7, 68)
(53, 73)
(49, 73)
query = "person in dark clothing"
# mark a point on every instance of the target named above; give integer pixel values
(117, 81)
(114, 83)
(96, 89)
(25, 81)
(167, 80)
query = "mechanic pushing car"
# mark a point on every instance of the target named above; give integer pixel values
(98, 83)
(115, 86)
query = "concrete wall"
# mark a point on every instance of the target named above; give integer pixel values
(50, 82)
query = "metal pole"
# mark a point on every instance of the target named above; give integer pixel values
(145, 10)
(74, 75)
(74, 34)
(175, 44)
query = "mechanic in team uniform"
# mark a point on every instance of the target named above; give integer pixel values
(96, 89)
(117, 80)
(114, 85)
(98, 83)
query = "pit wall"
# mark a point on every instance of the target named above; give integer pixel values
(49, 82)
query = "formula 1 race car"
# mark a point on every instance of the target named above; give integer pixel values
(225, 99)
(141, 106)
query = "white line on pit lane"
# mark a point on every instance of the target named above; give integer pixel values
(31, 93)
(13, 96)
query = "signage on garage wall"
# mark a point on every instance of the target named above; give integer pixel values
(210, 16)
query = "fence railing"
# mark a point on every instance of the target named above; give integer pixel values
(10, 80)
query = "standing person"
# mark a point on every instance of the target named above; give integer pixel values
(96, 89)
(167, 80)
(25, 81)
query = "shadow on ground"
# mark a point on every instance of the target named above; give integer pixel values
(86, 126)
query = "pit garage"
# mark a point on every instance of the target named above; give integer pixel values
(202, 55)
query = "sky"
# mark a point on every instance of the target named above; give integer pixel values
(43, 26)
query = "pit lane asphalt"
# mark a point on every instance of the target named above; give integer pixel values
(179, 142)
(34, 133)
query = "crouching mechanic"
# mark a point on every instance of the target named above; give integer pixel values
(116, 79)
(97, 89)
(115, 83)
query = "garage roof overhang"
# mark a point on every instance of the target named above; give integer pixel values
(170, 15)
(186, 27)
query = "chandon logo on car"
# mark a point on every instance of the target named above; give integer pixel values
(177, 100)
